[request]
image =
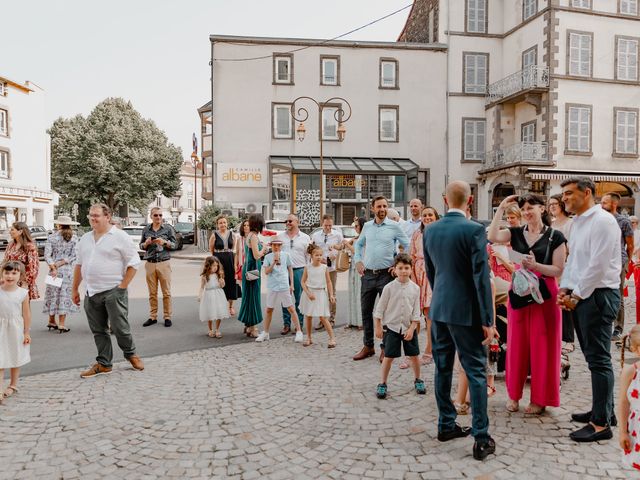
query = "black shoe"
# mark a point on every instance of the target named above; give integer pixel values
(167, 322)
(456, 432)
(588, 434)
(483, 448)
(586, 418)
(149, 322)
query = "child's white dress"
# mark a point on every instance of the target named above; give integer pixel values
(317, 283)
(13, 352)
(632, 457)
(213, 304)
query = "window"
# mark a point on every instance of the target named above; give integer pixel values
(282, 121)
(626, 58)
(329, 70)
(580, 51)
(530, 57)
(4, 122)
(581, 4)
(388, 73)
(477, 16)
(388, 123)
(175, 202)
(283, 69)
(158, 201)
(528, 132)
(4, 164)
(474, 131)
(3, 89)
(626, 131)
(628, 7)
(578, 128)
(529, 9)
(330, 123)
(475, 72)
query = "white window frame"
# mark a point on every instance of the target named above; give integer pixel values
(3, 89)
(474, 139)
(323, 73)
(580, 58)
(288, 59)
(528, 132)
(476, 16)
(4, 164)
(529, 9)
(581, 4)
(386, 82)
(626, 132)
(627, 50)
(158, 201)
(175, 202)
(285, 108)
(4, 122)
(329, 123)
(384, 111)
(480, 74)
(629, 7)
(580, 117)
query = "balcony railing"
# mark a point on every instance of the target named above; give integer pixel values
(531, 77)
(521, 153)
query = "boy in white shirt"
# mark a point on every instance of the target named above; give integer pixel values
(398, 316)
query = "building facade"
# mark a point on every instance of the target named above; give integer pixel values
(377, 127)
(25, 165)
(538, 90)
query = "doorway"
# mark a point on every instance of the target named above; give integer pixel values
(347, 212)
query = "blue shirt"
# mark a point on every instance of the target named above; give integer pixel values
(380, 242)
(278, 279)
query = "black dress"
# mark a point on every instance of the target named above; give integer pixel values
(223, 250)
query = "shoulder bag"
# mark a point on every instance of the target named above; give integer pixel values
(343, 261)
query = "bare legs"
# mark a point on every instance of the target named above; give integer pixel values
(327, 326)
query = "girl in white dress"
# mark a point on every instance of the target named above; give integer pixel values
(15, 322)
(318, 292)
(629, 403)
(213, 302)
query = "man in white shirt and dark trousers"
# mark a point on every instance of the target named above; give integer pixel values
(326, 239)
(590, 287)
(397, 316)
(107, 261)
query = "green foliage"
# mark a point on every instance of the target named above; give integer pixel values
(208, 215)
(113, 156)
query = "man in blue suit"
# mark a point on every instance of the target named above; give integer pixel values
(455, 252)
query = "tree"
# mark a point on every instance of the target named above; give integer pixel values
(113, 156)
(208, 215)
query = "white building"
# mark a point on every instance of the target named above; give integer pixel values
(395, 141)
(25, 165)
(538, 90)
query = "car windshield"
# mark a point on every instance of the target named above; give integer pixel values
(277, 226)
(348, 232)
(133, 231)
(184, 227)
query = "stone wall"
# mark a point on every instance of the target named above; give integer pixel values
(417, 28)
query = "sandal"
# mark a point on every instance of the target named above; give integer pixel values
(252, 334)
(491, 391)
(52, 326)
(10, 391)
(426, 359)
(63, 329)
(462, 409)
(332, 343)
(211, 334)
(218, 335)
(512, 406)
(307, 343)
(568, 348)
(533, 409)
(404, 365)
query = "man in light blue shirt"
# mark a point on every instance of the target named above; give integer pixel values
(413, 223)
(378, 239)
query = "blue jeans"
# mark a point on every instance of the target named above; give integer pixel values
(297, 293)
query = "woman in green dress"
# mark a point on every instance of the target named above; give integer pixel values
(251, 308)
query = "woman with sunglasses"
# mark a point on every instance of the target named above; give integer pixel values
(533, 337)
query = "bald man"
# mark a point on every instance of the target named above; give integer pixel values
(455, 254)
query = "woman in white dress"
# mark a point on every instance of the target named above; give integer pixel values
(355, 310)
(318, 292)
(213, 301)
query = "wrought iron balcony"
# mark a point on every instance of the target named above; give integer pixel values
(531, 78)
(525, 153)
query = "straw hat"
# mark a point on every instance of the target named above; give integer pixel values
(64, 220)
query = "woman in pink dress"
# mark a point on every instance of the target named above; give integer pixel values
(23, 249)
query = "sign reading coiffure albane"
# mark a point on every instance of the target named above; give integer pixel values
(241, 175)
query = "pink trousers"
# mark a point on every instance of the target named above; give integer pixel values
(533, 346)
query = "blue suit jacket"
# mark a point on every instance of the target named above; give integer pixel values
(455, 253)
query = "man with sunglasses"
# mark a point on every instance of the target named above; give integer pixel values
(330, 240)
(157, 239)
(295, 243)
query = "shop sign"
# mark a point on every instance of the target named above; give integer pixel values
(347, 181)
(241, 175)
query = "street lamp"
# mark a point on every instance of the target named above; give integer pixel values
(194, 163)
(301, 114)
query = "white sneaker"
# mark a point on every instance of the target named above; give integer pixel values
(299, 337)
(262, 337)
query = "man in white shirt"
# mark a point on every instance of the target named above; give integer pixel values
(326, 239)
(413, 224)
(589, 287)
(107, 261)
(295, 243)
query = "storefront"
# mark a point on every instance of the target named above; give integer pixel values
(349, 185)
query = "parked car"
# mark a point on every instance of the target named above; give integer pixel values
(135, 232)
(39, 235)
(271, 229)
(347, 231)
(4, 239)
(186, 230)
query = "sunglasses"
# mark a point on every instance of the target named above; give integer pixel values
(289, 221)
(157, 215)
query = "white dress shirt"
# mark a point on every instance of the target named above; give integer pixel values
(594, 253)
(399, 305)
(410, 226)
(104, 263)
(296, 247)
(325, 241)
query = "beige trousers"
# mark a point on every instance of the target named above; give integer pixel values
(333, 276)
(159, 272)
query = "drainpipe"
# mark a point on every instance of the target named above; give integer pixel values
(212, 130)
(447, 114)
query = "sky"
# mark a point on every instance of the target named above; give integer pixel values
(155, 53)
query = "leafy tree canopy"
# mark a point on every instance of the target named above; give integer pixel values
(113, 156)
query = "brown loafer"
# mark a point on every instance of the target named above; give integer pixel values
(136, 362)
(366, 352)
(286, 329)
(96, 369)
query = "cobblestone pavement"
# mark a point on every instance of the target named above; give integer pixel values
(276, 410)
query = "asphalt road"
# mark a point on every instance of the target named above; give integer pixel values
(53, 351)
